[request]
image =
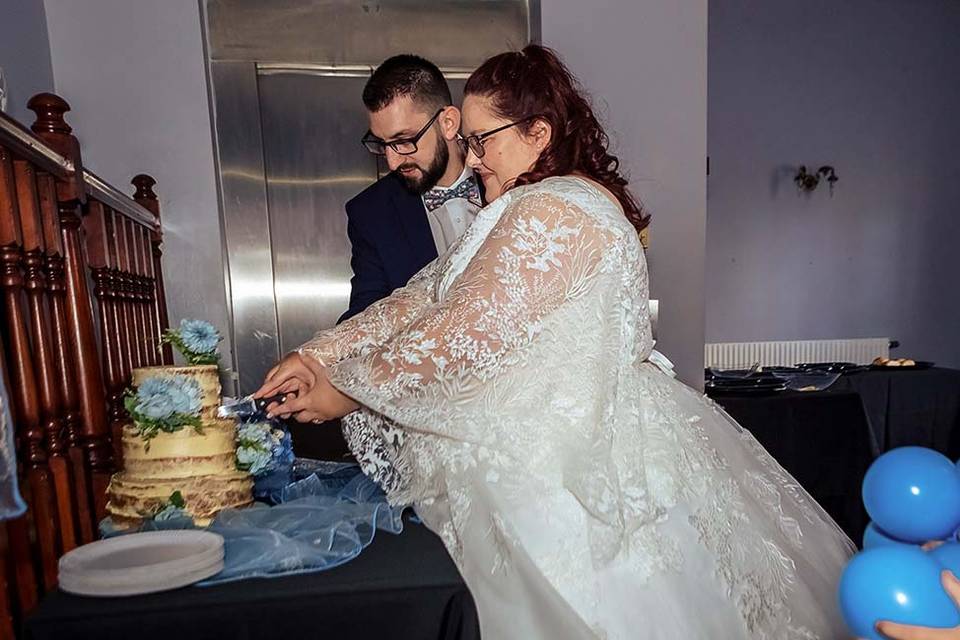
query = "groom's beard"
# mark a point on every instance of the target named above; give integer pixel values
(425, 179)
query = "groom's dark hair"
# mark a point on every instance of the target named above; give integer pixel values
(407, 75)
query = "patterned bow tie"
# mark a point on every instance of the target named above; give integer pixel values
(467, 190)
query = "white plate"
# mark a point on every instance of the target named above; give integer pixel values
(142, 563)
(83, 586)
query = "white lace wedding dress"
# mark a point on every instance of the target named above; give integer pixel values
(582, 492)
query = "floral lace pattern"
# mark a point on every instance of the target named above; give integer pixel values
(505, 392)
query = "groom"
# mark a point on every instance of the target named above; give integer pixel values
(404, 220)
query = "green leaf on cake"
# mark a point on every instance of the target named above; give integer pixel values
(176, 499)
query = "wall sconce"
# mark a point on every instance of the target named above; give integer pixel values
(807, 182)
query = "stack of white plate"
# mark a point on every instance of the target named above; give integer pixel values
(141, 563)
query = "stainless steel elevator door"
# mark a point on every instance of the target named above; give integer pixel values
(314, 163)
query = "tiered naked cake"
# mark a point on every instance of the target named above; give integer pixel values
(198, 462)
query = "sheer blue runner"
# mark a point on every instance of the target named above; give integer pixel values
(323, 520)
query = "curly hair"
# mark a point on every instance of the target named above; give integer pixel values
(533, 84)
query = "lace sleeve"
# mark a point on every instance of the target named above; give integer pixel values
(377, 324)
(542, 253)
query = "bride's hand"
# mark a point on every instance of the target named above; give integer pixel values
(318, 403)
(292, 375)
(897, 631)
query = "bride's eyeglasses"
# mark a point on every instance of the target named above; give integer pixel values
(403, 146)
(475, 142)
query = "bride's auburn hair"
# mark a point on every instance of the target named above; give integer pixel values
(533, 84)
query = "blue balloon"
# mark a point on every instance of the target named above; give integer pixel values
(948, 555)
(896, 583)
(874, 536)
(913, 494)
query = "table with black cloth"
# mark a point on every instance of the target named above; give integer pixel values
(827, 439)
(905, 407)
(401, 587)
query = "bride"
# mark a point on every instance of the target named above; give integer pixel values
(505, 392)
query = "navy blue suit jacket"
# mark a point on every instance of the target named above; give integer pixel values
(391, 241)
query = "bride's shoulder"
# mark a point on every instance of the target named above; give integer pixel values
(570, 193)
(564, 187)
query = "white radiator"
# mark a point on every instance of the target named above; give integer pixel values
(741, 355)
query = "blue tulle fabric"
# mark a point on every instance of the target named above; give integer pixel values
(11, 504)
(324, 518)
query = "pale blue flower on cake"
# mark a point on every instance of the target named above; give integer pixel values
(160, 398)
(170, 513)
(254, 433)
(199, 336)
(262, 449)
(253, 459)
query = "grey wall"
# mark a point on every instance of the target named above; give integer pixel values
(871, 87)
(133, 71)
(24, 54)
(645, 63)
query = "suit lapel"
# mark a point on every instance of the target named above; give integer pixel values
(412, 218)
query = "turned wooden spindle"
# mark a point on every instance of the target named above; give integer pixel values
(117, 243)
(131, 269)
(101, 254)
(57, 288)
(148, 309)
(43, 340)
(133, 292)
(145, 196)
(24, 390)
(85, 355)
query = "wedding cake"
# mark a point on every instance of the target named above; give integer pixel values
(178, 457)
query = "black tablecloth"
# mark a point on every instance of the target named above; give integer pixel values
(400, 587)
(905, 407)
(821, 438)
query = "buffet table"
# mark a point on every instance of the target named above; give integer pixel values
(827, 439)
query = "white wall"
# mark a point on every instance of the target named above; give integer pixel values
(24, 55)
(871, 87)
(133, 73)
(645, 63)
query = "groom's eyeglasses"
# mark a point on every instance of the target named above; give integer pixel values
(475, 142)
(403, 146)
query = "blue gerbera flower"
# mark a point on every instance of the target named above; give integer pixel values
(160, 398)
(199, 336)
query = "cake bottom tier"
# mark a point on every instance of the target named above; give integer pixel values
(131, 498)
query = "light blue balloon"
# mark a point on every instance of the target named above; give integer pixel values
(948, 555)
(895, 583)
(913, 494)
(874, 536)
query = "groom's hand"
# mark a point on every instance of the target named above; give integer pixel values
(321, 402)
(292, 375)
